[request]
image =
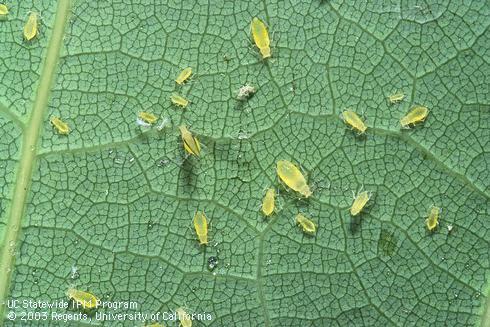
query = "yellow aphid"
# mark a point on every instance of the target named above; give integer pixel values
(179, 100)
(60, 125)
(184, 318)
(416, 115)
(268, 203)
(305, 223)
(395, 98)
(191, 144)
(292, 177)
(261, 37)
(354, 121)
(30, 28)
(147, 117)
(184, 75)
(201, 227)
(359, 203)
(84, 299)
(3, 10)
(433, 220)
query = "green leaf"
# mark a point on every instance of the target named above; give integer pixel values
(108, 208)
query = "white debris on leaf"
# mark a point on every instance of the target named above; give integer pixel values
(142, 123)
(245, 92)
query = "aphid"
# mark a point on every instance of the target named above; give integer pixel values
(433, 220)
(179, 100)
(184, 317)
(353, 120)
(191, 143)
(292, 177)
(84, 299)
(30, 28)
(416, 115)
(395, 98)
(261, 37)
(60, 125)
(147, 117)
(245, 92)
(359, 203)
(3, 10)
(184, 75)
(306, 223)
(268, 202)
(201, 227)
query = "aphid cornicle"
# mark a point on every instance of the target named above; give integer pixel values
(184, 317)
(261, 37)
(191, 143)
(4, 10)
(432, 220)
(416, 115)
(31, 27)
(354, 121)
(201, 226)
(268, 203)
(306, 224)
(359, 203)
(85, 299)
(292, 177)
(179, 100)
(147, 117)
(61, 126)
(396, 97)
(184, 75)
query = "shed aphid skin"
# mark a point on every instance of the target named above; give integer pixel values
(179, 100)
(292, 177)
(268, 203)
(396, 97)
(61, 126)
(353, 120)
(416, 115)
(142, 123)
(359, 203)
(245, 92)
(85, 299)
(4, 10)
(31, 26)
(184, 317)
(147, 117)
(306, 224)
(432, 220)
(184, 75)
(261, 37)
(201, 226)
(191, 143)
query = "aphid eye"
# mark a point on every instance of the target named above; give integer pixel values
(184, 75)
(31, 26)
(261, 37)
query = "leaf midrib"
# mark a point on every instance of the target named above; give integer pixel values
(30, 141)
